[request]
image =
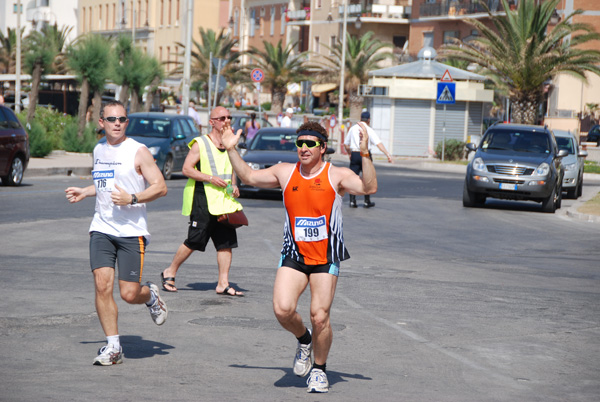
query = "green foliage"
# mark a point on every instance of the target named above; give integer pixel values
(453, 151)
(266, 106)
(52, 122)
(88, 57)
(39, 143)
(591, 167)
(73, 143)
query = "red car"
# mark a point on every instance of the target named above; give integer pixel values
(14, 148)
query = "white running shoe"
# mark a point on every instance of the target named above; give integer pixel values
(109, 355)
(158, 310)
(317, 381)
(303, 360)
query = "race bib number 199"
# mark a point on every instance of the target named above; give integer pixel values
(310, 229)
(104, 180)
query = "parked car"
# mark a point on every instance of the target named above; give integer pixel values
(573, 163)
(594, 135)
(515, 162)
(14, 148)
(166, 135)
(239, 119)
(270, 146)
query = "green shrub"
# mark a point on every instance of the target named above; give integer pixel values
(454, 150)
(39, 143)
(73, 143)
(266, 106)
(52, 121)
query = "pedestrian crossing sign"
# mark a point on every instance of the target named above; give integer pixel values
(446, 93)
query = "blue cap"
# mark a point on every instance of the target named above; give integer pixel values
(364, 116)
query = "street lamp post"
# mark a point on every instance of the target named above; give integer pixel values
(187, 61)
(342, 70)
(18, 61)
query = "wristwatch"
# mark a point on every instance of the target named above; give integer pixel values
(366, 154)
(134, 199)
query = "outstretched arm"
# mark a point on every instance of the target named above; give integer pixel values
(263, 178)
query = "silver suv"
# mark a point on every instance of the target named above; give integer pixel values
(515, 162)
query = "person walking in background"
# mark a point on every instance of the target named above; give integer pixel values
(193, 114)
(313, 244)
(352, 146)
(207, 195)
(287, 119)
(251, 127)
(125, 179)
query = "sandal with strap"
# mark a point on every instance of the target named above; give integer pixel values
(165, 283)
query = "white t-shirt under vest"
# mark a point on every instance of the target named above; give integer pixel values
(115, 164)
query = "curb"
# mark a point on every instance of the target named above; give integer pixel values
(58, 171)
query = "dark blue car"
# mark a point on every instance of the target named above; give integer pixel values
(166, 136)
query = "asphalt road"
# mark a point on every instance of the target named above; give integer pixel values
(437, 303)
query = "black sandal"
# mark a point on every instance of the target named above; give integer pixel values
(165, 283)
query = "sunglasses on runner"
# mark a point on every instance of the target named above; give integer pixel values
(222, 118)
(113, 119)
(309, 143)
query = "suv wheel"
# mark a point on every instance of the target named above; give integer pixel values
(15, 174)
(471, 199)
(549, 204)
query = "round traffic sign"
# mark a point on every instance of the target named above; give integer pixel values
(257, 75)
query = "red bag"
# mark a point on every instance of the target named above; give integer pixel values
(234, 219)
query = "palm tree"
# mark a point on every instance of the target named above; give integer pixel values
(522, 52)
(41, 48)
(363, 54)
(88, 57)
(221, 46)
(156, 74)
(280, 67)
(147, 70)
(122, 66)
(60, 38)
(8, 50)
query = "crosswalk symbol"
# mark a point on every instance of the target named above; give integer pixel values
(446, 96)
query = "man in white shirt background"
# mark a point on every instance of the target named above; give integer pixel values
(351, 144)
(287, 119)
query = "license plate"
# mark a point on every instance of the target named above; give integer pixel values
(508, 186)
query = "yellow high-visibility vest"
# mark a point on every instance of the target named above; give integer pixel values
(214, 163)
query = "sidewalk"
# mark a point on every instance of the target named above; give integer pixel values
(74, 164)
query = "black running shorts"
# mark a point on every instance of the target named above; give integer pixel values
(125, 252)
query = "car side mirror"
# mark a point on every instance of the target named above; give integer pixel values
(180, 137)
(582, 153)
(329, 151)
(471, 147)
(562, 153)
(243, 145)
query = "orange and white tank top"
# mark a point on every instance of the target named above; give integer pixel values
(313, 233)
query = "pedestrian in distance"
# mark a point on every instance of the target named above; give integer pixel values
(357, 157)
(207, 195)
(125, 179)
(313, 244)
(251, 127)
(287, 119)
(193, 114)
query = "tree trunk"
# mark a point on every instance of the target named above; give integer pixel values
(83, 101)
(355, 102)
(124, 95)
(524, 108)
(36, 77)
(135, 102)
(151, 93)
(277, 99)
(96, 106)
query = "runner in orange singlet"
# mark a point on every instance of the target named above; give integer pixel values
(313, 243)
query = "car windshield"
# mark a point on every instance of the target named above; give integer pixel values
(273, 142)
(518, 141)
(565, 143)
(149, 127)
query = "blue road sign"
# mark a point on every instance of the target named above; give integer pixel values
(446, 93)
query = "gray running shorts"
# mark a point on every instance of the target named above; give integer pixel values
(126, 252)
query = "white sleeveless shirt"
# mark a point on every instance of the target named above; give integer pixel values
(115, 164)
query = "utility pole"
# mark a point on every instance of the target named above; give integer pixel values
(342, 71)
(18, 61)
(188, 55)
(133, 22)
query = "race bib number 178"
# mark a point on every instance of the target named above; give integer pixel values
(104, 180)
(310, 229)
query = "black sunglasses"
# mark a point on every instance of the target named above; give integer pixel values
(113, 119)
(308, 143)
(222, 118)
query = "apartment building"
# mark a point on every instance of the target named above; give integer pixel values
(157, 26)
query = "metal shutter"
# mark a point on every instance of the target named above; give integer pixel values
(475, 125)
(411, 127)
(455, 122)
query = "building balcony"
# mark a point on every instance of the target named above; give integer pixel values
(456, 8)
